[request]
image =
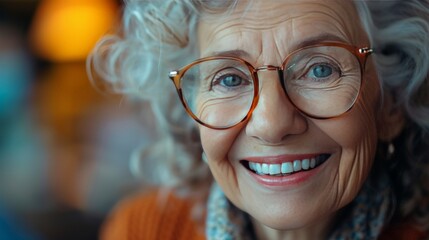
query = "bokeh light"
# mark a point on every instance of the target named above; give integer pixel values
(66, 30)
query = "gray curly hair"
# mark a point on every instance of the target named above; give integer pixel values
(156, 36)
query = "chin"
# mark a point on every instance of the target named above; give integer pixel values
(286, 221)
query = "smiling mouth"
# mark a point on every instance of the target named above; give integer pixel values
(285, 168)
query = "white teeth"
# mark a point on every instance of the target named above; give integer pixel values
(258, 168)
(274, 169)
(287, 167)
(265, 168)
(296, 165)
(305, 164)
(283, 168)
(313, 162)
(252, 165)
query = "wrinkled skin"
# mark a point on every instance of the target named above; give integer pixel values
(268, 31)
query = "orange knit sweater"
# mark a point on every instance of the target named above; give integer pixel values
(153, 217)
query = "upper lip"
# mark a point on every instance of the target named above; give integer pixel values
(281, 158)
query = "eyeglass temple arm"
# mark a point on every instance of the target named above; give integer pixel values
(174, 76)
(366, 50)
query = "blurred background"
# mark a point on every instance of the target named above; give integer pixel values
(64, 146)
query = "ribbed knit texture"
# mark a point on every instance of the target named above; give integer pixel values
(152, 217)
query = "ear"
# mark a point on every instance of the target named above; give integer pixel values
(391, 119)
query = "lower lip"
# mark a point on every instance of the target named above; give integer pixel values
(286, 181)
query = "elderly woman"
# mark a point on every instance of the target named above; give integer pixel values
(311, 116)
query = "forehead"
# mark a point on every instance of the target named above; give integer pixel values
(282, 24)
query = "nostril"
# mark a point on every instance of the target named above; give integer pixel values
(274, 132)
(275, 118)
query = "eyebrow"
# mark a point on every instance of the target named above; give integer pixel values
(231, 53)
(325, 37)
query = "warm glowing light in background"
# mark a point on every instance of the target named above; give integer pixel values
(66, 30)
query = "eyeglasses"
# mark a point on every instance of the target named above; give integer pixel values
(322, 81)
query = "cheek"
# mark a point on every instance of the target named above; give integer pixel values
(356, 134)
(357, 129)
(216, 143)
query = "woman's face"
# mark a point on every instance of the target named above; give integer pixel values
(277, 132)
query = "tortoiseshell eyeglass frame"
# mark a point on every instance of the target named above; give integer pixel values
(361, 54)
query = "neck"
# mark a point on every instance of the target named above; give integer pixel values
(320, 230)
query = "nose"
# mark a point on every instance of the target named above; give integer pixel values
(275, 117)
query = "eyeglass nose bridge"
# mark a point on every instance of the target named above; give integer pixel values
(273, 68)
(268, 68)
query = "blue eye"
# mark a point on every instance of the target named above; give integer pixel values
(321, 71)
(231, 81)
